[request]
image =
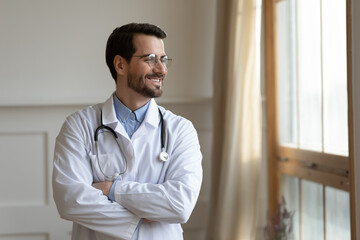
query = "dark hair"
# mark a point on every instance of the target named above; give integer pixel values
(120, 41)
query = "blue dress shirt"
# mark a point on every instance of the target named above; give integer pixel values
(131, 121)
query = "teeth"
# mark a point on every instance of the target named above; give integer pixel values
(155, 80)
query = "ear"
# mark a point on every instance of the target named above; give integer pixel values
(120, 64)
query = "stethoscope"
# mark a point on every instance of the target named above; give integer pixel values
(163, 156)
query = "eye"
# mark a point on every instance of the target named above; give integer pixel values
(164, 59)
(151, 58)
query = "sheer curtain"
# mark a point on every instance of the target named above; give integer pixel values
(237, 195)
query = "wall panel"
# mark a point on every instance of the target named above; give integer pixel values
(18, 166)
(39, 236)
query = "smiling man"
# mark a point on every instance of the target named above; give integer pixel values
(128, 168)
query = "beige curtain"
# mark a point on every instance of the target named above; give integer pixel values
(237, 205)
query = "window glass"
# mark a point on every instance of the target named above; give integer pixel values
(309, 74)
(335, 76)
(312, 217)
(337, 214)
(286, 72)
(290, 192)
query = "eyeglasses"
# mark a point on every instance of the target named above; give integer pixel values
(152, 59)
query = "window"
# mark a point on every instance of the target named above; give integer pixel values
(307, 106)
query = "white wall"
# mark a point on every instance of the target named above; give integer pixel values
(59, 45)
(52, 62)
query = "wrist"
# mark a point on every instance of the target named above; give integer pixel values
(111, 194)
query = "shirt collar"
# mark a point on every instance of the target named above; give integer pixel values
(109, 118)
(122, 112)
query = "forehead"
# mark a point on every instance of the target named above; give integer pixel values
(146, 44)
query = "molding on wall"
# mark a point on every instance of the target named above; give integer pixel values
(160, 101)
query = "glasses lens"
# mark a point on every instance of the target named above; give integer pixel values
(151, 59)
(165, 60)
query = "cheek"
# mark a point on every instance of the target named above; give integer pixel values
(136, 78)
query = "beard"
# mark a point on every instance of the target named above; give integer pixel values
(139, 85)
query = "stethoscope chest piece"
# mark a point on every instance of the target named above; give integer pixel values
(164, 156)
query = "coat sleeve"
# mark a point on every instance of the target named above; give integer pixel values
(75, 198)
(173, 200)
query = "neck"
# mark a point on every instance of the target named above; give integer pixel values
(131, 101)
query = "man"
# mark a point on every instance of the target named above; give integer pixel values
(108, 176)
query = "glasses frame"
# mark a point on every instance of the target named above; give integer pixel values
(164, 60)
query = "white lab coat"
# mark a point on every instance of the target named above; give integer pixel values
(163, 192)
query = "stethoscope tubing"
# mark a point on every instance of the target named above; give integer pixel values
(163, 156)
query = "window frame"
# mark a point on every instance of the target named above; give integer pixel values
(327, 169)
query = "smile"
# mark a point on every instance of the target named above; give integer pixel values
(157, 79)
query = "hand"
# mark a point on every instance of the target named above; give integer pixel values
(103, 186)
(145, 220)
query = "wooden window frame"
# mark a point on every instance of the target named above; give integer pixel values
(327, 169)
